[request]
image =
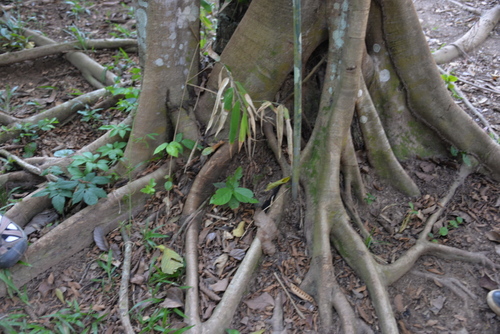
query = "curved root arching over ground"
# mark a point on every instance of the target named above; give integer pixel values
(381, 50)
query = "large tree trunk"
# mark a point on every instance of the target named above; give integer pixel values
(168, 33)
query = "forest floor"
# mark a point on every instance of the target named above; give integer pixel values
(437, 297)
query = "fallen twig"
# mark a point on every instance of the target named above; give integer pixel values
(123, 295)
(289, 297)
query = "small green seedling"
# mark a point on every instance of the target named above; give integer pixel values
(444, 230)
(231, 193)
(176, 147)
(113, 151)
(89, 114)
(449, 80)
(149, 188)
(465, 157)
(369, 199)
(117, 130)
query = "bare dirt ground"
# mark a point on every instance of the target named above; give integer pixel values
(437, 297)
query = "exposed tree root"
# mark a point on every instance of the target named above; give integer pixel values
(46, 50)
(380, 153)
(61, 112)
(92, 71)
(474, 37)
(469, 8)
(75, 233)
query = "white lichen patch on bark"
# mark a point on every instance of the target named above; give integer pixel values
(384, 75)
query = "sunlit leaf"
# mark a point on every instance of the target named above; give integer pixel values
(238, 232)
(277, 183)
(170, 260)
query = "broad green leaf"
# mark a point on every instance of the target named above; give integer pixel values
(160, 148)
(235, 122)
(443, 231)
(63, 153)
(100, 180)
(222, 196)
(228, 99)
(244, 195)
(241, 90)
(174, 148)
(243, 130)
(188, 143)
(208, 150)
(233, 203)
(238, 173)
(58, 203)
(89, 197)
(169, 185)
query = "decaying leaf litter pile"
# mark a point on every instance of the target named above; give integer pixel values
(430, 301)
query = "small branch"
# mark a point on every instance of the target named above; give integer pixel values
(475, 36)
(47, 50)
(123, 294)
(26, 166)
(289, 297)
(61, 112)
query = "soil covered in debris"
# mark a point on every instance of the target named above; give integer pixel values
(438, 296)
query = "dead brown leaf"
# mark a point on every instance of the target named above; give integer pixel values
(260, 302)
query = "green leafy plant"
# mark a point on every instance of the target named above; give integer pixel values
(369, 199)
(234, 102)
(113, 151)
(231, 193)
(80, 189)
(130, 97)
(78, 35)
(89, 162)
(465, 157)
(6, 96)
(117, 130)
(149, 188)
(77, 8)
(31, 130)
(12, 38)
(122, 32)
(149, 235)
(29, 150)
(412, 209)
(449, 80)
(176, 147)
(89, 114)
(444, 230)
(67, 320)
(12, 290)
